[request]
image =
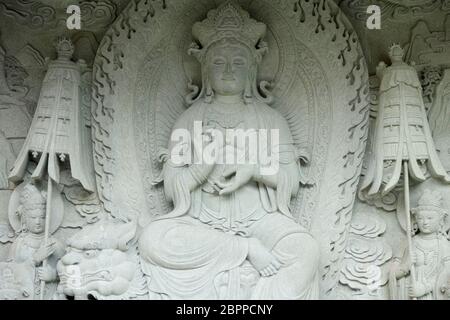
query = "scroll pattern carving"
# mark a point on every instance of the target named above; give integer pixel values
(394, 10)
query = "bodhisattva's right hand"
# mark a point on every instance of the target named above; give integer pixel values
(44, 252)
(207, 151)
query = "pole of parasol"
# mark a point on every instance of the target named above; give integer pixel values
(408, 221)
(47, 228)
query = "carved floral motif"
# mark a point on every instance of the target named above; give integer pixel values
(364, 269)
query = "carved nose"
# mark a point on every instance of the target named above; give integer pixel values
(228, 71)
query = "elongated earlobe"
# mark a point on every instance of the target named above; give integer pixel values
(209, 93)
(248, 96)
(248, 92)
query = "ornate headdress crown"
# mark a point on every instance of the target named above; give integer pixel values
(32, 198)
(229, 21)
(430, 200)
(394, 48)
(64, 47)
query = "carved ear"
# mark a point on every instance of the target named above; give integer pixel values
(194, 50)
(209, 93)
(304, 155)
(261, 51)
(19, 211)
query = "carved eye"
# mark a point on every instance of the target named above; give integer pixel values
(219, 62)
(239, 62)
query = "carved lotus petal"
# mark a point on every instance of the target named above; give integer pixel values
(359, 276)
(368, 251)
(368, 226)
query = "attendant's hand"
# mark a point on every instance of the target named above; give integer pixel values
(46, 274)
(418, 290)
(401, 272)
(44, 252)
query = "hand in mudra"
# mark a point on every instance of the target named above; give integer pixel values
(208, 145)
(206, 150)
(238, 176)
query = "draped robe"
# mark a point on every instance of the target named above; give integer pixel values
(199, 250)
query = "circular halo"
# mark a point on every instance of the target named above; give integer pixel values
(57, 214)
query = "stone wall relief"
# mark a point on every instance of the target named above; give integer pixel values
(22, 72)
(366, 264)
(439, 114)
(73, 209)
(360, 251)
(430, 190)
(426, 47)
(428, 279)
(14, 110)
(398, 18)
(24, 270)
(394, 10)
(59, 135)
(34, 14)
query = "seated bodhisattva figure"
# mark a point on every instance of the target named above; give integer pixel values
(231, 234)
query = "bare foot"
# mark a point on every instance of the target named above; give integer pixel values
(261, 258)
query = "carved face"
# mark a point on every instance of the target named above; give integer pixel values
(35, 220)
(396, 55)
(228, 68)
(428, 221)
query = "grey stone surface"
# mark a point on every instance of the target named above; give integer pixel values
(136, 225)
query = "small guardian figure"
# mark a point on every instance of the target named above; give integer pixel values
(430, 254)
(28, 250)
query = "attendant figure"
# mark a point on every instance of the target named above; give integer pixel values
(431, 253)
(28, 248)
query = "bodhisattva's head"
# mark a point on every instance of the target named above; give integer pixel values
(429, 215)
(229, 48)
(228, 67)
(428, 221)
(32, 210)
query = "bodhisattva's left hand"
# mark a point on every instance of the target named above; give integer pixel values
(238, 177)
